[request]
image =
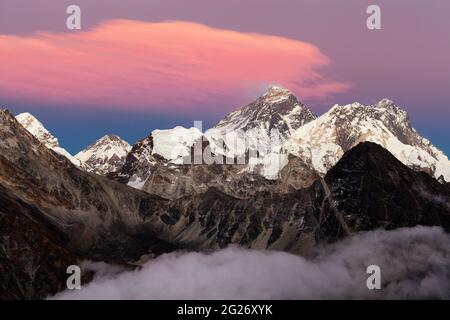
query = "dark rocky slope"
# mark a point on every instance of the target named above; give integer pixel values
(33, 252)
(370, 189)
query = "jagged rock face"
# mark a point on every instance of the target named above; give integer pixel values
(157, 175)
(368, 189)
(324, 140)
(138, 165)
(106, 155)
(33, 252)
(176, 181)
(266, 220)
(36, 128)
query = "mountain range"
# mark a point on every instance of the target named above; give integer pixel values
(277, 126)
(355, 168)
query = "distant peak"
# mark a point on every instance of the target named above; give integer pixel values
(385, 103)
(276, 95)
(390, 107)
(26, 115)
(111, 137)
(382, 105)
(108, 140)
(5, 112)
(278, 87)
(337, 108)
(276, 90)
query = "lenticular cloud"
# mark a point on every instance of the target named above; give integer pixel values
(127, 64)
(415, 263)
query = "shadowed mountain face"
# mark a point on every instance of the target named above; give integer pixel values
(369, 188)
(64, 213)
(33, 252)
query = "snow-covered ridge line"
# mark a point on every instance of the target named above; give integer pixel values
(105, 155)
(324, 140)
(37, 129)
(277, 125)
(274, 126)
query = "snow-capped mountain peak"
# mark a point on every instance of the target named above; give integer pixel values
(277, 108)
(261, 126)
(385, 102)
(105, 155)
(324, 140)
(276, 94)
(392, 108)
(37, 129)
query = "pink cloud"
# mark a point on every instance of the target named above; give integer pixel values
(130, 64)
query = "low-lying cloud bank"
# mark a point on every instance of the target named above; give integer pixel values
(414, 262)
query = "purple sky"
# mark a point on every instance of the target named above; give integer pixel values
(407, 61)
